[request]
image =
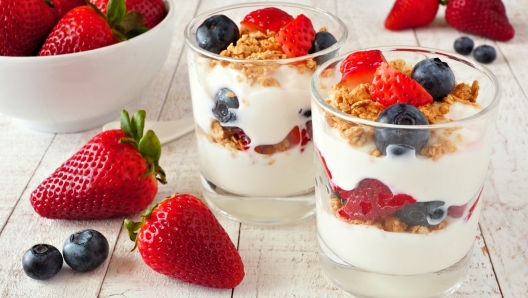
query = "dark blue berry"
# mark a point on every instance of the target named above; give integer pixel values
(401, 114)
(435, 76)
(42, 261)
(464, 45)
(423, 213)
(306, 113)
(216, 33)
(85, 250)
(323, 40)
(224, 101)
(485, 54)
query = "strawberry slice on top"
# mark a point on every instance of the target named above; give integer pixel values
(270, 18)
(392, 86)
(359, 67)
(296, 37)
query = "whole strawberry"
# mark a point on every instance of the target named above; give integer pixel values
(24, 25)
(114, 174)
(180, 237)
(411, 13)
(370, 200)
(153, 11)
(86, 28)
(61, 7)
(486, 18)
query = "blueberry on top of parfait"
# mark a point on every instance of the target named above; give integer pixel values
(435, 76)
(401, 114)
(216, 33)
(323, 40)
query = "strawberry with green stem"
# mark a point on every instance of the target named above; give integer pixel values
(180, 237)
(87, 28)
(153, 11)
(116, 173)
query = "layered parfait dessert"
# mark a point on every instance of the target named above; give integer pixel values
(402, 150)
(249, 72)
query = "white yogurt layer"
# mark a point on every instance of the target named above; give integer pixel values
(266, 115)
(384, 252)
(454, 178)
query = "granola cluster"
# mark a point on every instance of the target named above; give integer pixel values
(388, 224)
(255, 45)
(358, 103)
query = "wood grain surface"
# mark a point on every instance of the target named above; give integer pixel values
(280, 261)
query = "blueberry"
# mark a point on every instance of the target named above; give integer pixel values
(464, 45)
(306, 113)
(85, 250)
(423, 213)
(485, 54)
(323, 40)
(435, 76)
(225, 100)
(42, 261)
(216, 33)
(401, 114)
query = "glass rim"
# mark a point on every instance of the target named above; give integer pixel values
(452, 56)
(191, 42)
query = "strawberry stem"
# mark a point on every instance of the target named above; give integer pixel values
(133, 226)
(443, 2)
(148, 145)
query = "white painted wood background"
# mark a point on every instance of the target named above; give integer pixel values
(280, 261)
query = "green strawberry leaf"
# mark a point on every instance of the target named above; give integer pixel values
(115, 12)
(136, 32)
(138, 123)
(150, 147)
(126, 126)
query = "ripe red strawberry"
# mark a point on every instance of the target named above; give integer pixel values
(411, 13)
(391, 86)
(180, 237)
(85, 28)
(270, 18)
(153, 11)
(61, 7)
(24, 25)
(296, 38)
(114, 174)
(486, 18)
(359, 67)
(371, 199)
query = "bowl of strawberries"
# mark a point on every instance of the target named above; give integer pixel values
(71, 65)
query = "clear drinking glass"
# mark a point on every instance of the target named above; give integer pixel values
(257, 168)
(421, 256)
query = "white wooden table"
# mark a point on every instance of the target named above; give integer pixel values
(280, 261)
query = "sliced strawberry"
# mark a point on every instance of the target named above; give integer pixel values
(391, 86)
(411, 13)
(296, 37)
(371, 199)
(359, 67)
(270, 18)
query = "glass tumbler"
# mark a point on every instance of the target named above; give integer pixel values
(255, 152)
(395, 218)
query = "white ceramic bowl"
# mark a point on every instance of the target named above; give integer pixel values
(80, 91)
